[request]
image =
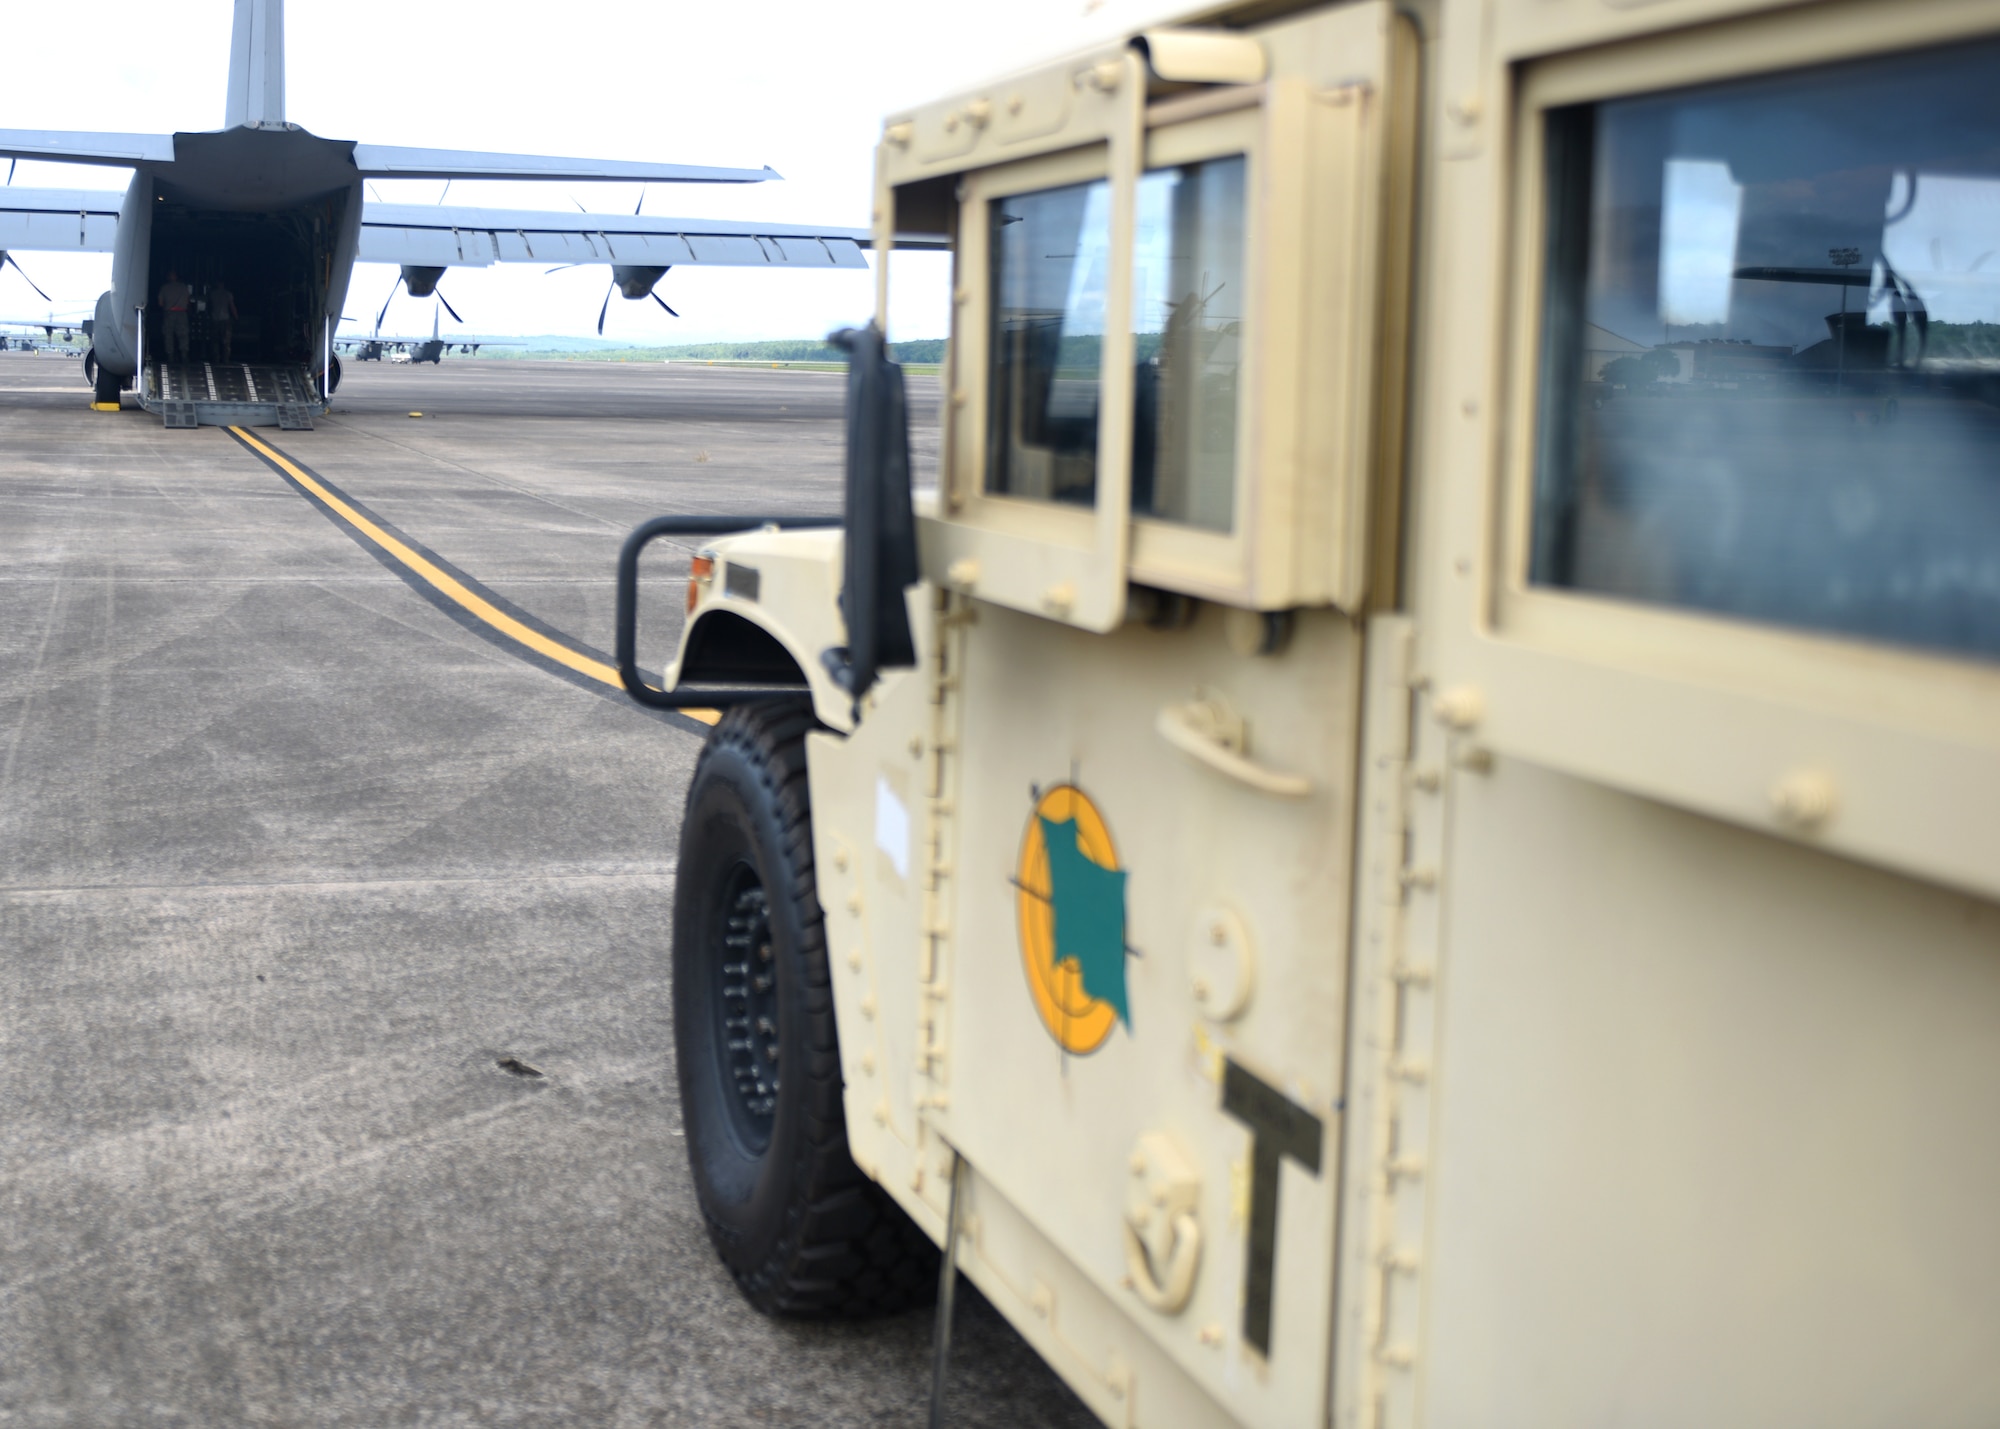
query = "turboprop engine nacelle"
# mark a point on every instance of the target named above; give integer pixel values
(421, 282)
(634, 281)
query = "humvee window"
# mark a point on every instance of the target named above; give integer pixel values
(1188, 307)
(1051, 259)
(1771, 366)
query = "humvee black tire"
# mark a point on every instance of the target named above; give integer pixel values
(803, 1231)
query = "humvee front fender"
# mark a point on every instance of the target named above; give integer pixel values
(764, 615)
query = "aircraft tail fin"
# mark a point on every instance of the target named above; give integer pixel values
(257, 64)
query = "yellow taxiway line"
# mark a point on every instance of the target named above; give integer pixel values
(446, 585)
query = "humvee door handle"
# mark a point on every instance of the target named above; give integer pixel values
(1170, 1297)
(1207, 730)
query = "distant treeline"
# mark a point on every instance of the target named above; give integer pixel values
(796, 350)
(1963, 340)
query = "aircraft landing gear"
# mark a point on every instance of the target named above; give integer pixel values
(107, 385)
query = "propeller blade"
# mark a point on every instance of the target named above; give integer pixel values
(26, 279)
(10, 171)
(450, 309)
(605, 309)
(385, 304)
(641, 203)
(559, 267)
(663, 303)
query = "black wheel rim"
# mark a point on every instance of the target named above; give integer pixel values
(745, 1004)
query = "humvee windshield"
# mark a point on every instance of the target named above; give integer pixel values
(1051, 259)
(1771, 373)
(1189, 314)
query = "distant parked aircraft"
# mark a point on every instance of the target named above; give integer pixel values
(418, 349)
(48, 327)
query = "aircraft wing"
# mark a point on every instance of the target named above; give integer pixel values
(478, 237)
(58, 220)
(376, 161)
(72, 146)
(388, 161)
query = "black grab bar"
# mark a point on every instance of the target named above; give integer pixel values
(628, 608)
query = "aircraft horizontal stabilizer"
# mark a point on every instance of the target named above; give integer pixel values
(72, 146)
(476, 237)
(388, 161)
(58, 220)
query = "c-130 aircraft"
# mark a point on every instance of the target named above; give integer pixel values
(279, 215)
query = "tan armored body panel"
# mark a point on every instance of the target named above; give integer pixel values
(1437, 863)
(1716, 994)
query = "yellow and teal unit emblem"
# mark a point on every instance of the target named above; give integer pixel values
(1069, 894)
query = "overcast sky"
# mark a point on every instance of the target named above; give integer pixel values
(799, 86)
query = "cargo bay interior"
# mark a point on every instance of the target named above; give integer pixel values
(277, 265)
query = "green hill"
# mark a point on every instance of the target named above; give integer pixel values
(796, 350)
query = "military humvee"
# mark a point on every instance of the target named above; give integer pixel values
(1411, 833)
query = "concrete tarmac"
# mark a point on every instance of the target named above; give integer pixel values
(290, 861)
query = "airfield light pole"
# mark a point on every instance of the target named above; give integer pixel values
(1842, 258)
